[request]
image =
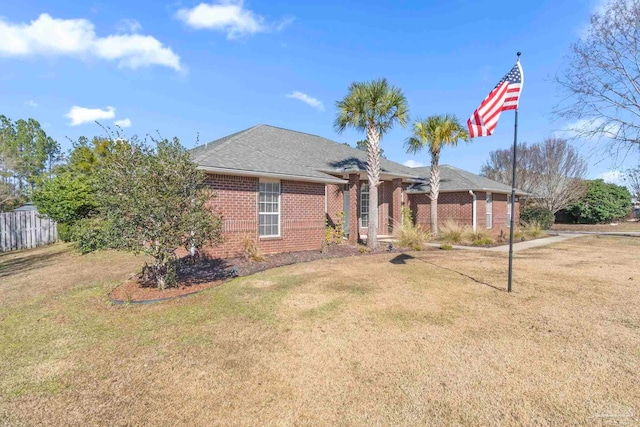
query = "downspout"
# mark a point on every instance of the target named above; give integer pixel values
(474, 210)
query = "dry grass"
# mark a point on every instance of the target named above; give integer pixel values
(620, 226)
(423, 339)
(453, 232)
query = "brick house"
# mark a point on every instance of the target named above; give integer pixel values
(281, 188)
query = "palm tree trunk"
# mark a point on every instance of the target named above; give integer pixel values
(434, 183)
(373, 174)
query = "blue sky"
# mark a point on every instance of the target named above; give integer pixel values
(214, 68)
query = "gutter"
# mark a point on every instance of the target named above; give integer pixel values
(408, 178)
(462, 190)
(226, 171)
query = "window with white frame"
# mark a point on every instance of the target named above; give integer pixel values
(509, 210)
(269, 209)
(489, 204)
(364, 206)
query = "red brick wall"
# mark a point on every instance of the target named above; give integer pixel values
(334, 202)
(482, 209)
(302, 214)
(499, 210)
(396, 202)
(456, 206)
(459, 207)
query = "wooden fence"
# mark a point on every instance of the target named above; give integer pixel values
(26, 229)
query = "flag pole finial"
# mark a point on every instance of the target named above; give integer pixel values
(519, 53)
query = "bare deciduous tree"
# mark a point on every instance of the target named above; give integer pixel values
(632, 179)
(552, 171)
(600, 79)
(499, 168)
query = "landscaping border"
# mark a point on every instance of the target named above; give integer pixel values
(260, 267)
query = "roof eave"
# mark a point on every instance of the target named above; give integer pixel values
(408, 178)
(260, 174)
(465, 190)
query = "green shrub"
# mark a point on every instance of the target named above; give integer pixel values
(65, 232)
(363, 249)
(446, 247)
(543, 216)
(92, 234)
(453, 232)
(484, 241)
(602, 202)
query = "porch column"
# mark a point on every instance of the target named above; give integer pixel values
(354, 203)
(396, 203)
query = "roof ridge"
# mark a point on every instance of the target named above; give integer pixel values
(342, 145)
(297, 131)
(225, 140)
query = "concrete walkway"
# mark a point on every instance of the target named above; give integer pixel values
(602, 233)
(519, 246)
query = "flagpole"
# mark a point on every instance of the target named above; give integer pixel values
(513, 196)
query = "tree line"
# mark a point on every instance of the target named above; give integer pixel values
(27, 154)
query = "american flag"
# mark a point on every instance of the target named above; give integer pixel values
(504, 96)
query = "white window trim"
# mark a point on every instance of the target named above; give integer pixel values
(368, 201)
(489, 210)
(509, 211)
(272, 181)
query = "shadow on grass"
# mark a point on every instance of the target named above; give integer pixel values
(16, 263)
(403, 258)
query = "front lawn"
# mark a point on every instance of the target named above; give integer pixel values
(427, 338)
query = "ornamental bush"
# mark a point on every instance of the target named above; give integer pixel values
(537, 214)
(602, 202)
(153, 200)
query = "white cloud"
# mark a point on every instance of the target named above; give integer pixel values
(229, 16)
(124, 123)
(579, 127)
(309, 100)
(413, 163)
(128, 26)
(613, 177)
(31, 103)
(48, 36)
(80, 115)
(284, 23)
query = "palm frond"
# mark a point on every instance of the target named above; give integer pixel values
(372, 103)
(436, 131)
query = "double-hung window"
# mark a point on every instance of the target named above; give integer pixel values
(269, 209)
(509, 210)
(364, 206)
(489, 204)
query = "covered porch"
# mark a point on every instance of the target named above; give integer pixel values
(352, 201)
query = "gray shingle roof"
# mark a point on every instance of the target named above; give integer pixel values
(265, 149)
(454, 179)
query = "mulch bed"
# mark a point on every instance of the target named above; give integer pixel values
(207, 273)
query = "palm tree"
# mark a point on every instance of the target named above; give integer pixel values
(434, 133)
(372, 107)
